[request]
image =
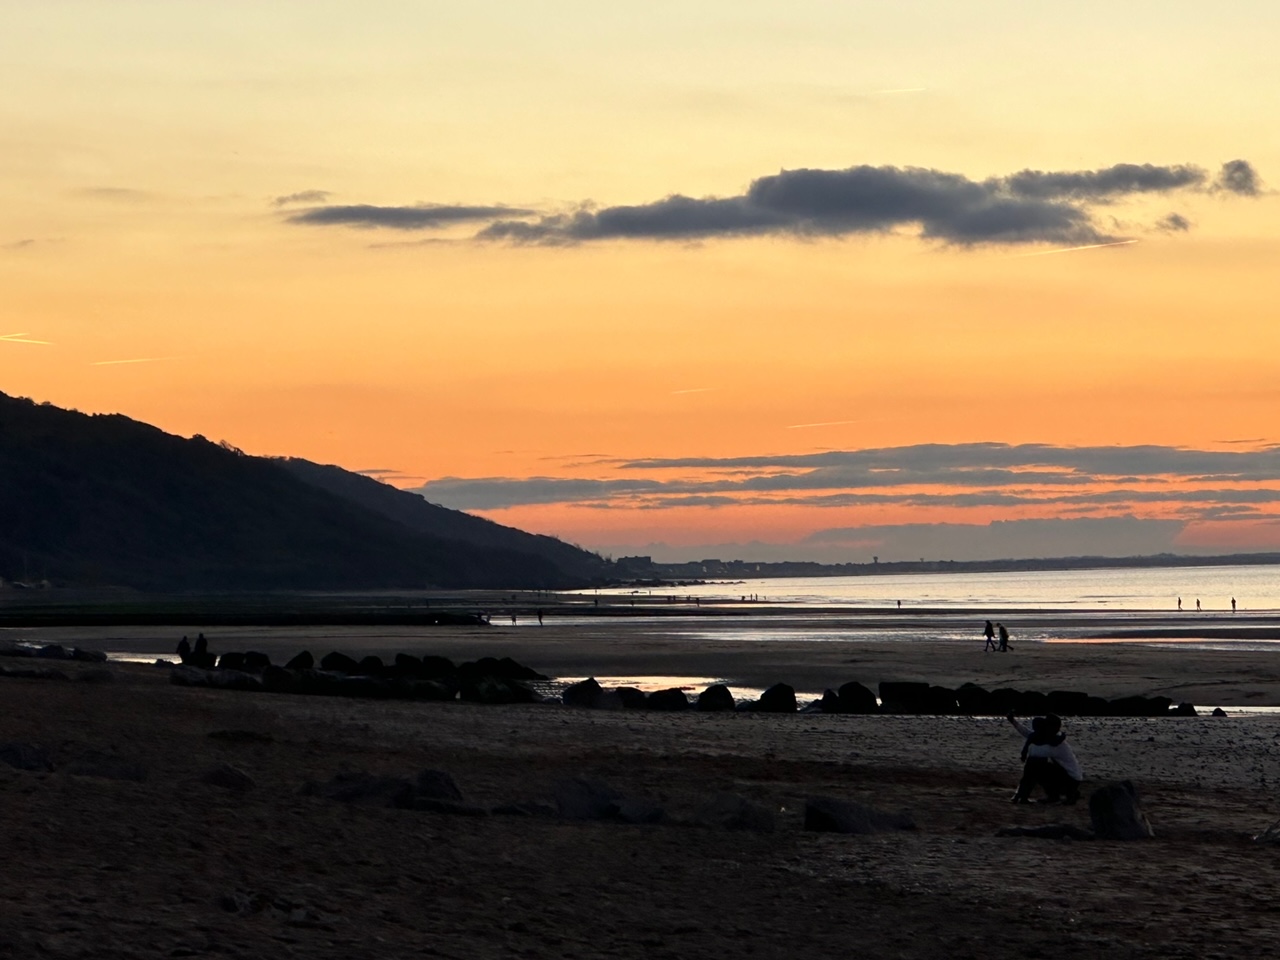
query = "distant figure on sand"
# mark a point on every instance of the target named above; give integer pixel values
(899, 604)
(1197, 604)
(1004, 637)
(1233, 604)
(1179, 603)
(184, 649)
(539, 618)
(1048, 762)
(990, 633)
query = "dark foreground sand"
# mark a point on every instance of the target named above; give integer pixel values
(110, 868)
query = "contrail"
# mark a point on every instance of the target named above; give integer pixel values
(22, 338)
(829, 423)
(693, 390)
(1090, 246)
(109, 363)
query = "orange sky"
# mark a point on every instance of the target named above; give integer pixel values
(145, 146)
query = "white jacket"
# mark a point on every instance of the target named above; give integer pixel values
(1060, 753)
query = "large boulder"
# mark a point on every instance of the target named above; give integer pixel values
(495, 690)
(336, 662)
(255, 662)
(437, 785)
(856, 698)
(1140, 707)
(231, 661)
(1068, 703)
(301, 661)
(503, 669)
(437, 668)
(371, 666)
(280, 680)
(904, 697)
(673, 699)
(716, 698)
(632, 699)
(729, 811)
(585, 693)
(1116, 813)
(829, 815)
(364, 789)
(780, 698)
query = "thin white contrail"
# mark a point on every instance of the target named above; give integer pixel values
(693, 390)
(22, 338)
(110, 363)
(1088, 246)
(828, 423)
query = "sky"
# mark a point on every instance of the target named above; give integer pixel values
(768, 280)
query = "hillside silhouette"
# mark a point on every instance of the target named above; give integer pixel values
(106, 500)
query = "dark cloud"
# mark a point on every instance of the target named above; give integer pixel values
(303, 196)
(488, 493)
(422, 217)
(1239, 177)
(1117, 180)
(1173, 223)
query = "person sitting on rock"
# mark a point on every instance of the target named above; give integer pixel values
(184, 649)
(1048, 762)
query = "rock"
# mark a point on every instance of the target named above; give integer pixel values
(188, 676)
(632, 699)
(585, 693)
(280, 680)
(1004, 701)
(228, 777)
(1140, 707)
(106, 766)
(855, 698)
(26, 756)
(942, 702)
(365, 789)
(53, 651)
(1116, 813)
(610, 700)
(255, 662)
(1030, 703)
(437, 668)
(904, 697)
(301, 661)
(673, 699)
(407, 665)
(829, 815)
(1068, 703)
(581, 799)
(432, 690)
(1048, 831)
(716, 698)
(437, 785)
(231, 661)
(830, 702)
(504, 669)
(780, 698)
(729, 811)
(495, 690)
(336, 662)
(1184, 710)
(370, 666)
(88, 656)
(1218, 712)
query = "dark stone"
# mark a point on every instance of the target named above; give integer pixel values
(437, 668)
(437, 785)
(1048, 831)
(1004, 701)
(227, 777)
(581, 799)
(1140, 707)
(1067, 703)
(88, 656)
(255, 662)
(673, 699)
(585, 693)
(280, 680)
(231, 661)
(856, 698)
(716, 698)
(942, 702)
(53, 651)
(495, 690)
(1184, 710)
(370, 666)
(433, 690)
(241, 736)
(829, 815)
(780, 698)
(1116, 813)
(632, 699)
(904, 697)
(1218, 712)
(503, 669)
(1096, 707)
(830, 702)
(301, 661)
(26, 756)
(339, 663)
(407, 665)
(365, 789)
(1031, 703)
(729, 811)
(974, 701)
(107, 767)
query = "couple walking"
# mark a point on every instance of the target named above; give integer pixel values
(990, 632)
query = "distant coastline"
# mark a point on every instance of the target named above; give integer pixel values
(643, 570)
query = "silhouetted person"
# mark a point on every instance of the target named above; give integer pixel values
(1233, 604)
(899, 604)
(539, 618)
(513, 619)
(1197, 604)
(184, 649)
(1179, 603)
(990, 633)
(1004, 637)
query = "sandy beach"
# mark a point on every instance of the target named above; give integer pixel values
(173, 866)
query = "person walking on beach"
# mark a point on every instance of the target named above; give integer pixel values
(990, 633)
(1197, 604)
(1233, 604)
(1048, 762)
(1004, 637)
(1179, 603)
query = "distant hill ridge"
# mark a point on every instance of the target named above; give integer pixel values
(104, 499)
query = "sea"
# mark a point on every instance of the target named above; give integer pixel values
(1255, 588)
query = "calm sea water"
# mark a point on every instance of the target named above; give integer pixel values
(1255, 588)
